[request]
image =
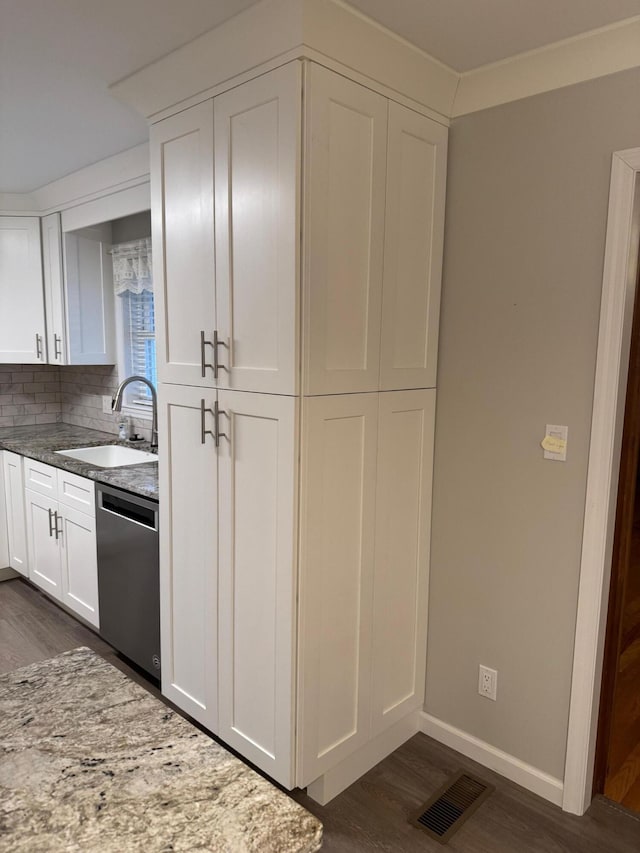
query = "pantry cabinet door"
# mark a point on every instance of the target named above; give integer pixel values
(414, 235)
(79, 563)
(22, 324)
(257, 199)
(54, 288)
(183, 244)
(44, 552)
(16, 514)
(257, 579)
(338, 488)
(188, 481)
(403, 520)
(345, 156)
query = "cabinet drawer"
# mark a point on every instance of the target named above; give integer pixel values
(41, 478)
(77, 492)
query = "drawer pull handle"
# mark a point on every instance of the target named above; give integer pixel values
(204, 432)
(51, 523)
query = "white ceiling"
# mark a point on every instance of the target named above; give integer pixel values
(58, 57)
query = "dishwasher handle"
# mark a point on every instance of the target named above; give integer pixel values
(129, 510)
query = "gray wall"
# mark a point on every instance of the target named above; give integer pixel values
(526, 220)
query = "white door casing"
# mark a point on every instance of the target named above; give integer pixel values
(616, 313)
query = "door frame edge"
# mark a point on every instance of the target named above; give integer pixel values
(616, 312)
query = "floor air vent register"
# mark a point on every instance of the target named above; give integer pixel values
(443, 814)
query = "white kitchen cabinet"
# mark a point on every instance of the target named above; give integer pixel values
(336, 578)
(257, 138)
(89, 296)
(230, 321)
(296, 484)
(61, 531)
(16, 517)
(188, 483)
(414, 235)
(227, 567)
(183, 244)
(346, 152)
(4, 529)
(257, 578)
(22, 318)
(54, 288)
(43, 531)
(406, 422)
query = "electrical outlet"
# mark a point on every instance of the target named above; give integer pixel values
(488, 682)
(106, 405)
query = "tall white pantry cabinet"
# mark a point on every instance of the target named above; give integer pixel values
(298, 228)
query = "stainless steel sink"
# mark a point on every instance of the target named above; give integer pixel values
(109, 455)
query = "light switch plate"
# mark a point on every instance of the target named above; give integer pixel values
(559, 435)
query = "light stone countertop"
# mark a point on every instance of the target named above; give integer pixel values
(40, 442)
(90, 762)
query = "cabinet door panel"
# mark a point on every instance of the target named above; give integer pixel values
(40, 477)
(22, 325)
(90, 299)
(403, 518)
(4, 519)
(188, 553)
(79, 563)
(258, 579)
(414, 233)
(257, 165)
(54, 288)
(16, 515)
(183, 243)
(336, 575)
(344, 226)
(44, 552)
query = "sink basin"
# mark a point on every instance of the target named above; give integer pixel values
(109, 455)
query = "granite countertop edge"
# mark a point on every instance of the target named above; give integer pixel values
(41, 442)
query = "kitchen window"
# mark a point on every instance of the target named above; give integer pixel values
(135, 321)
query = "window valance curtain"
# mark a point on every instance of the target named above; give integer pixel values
(132, 266)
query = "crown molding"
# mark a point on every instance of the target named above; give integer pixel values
(585, 57)
(276, 31)
(122, 171)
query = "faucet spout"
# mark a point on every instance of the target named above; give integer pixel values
(116, 404)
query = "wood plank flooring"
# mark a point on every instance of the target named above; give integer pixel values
(371, 815)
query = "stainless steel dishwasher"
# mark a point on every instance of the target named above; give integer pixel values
(128, 575)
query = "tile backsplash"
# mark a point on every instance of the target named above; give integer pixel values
(41, 394)
(29, 394)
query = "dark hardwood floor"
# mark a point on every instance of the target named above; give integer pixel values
(371, 815)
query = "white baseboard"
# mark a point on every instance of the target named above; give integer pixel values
(506, 765)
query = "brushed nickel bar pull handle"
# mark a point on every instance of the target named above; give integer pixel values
(58, 532)
(216, 363)
(203, 362)
(204, 432)
(38, 346)
(57, 346)
(50, 511)
(217, 411)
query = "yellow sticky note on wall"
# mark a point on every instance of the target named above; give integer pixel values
(553, 444)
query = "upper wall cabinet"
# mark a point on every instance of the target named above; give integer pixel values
(229, 319)
(22, 319)
(89, 296)
(78, 284)
(237, 216)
